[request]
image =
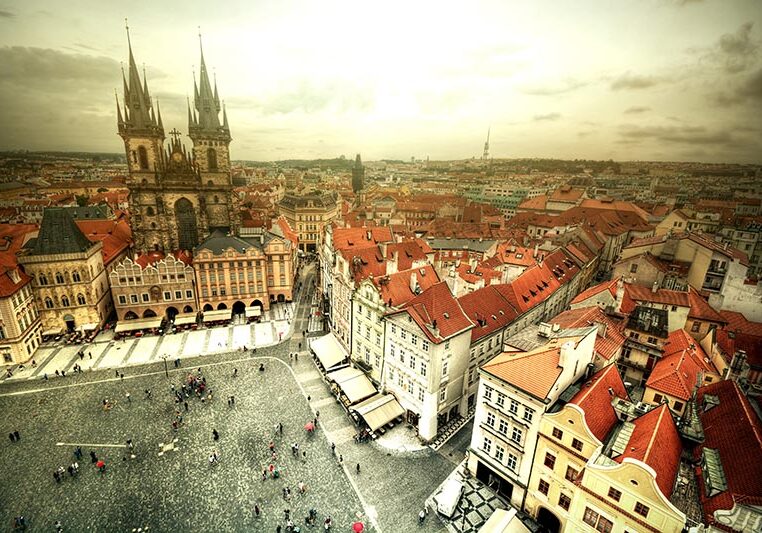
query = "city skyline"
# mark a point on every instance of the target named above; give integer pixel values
(302, 81)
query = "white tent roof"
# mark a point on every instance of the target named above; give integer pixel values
(138, 323)
(379, 410)
(353, 382)
(185, 318)
(328, 350)
(220, 314)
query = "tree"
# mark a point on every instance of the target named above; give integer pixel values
(81, 200)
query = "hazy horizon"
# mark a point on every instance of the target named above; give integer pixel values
(663, 80)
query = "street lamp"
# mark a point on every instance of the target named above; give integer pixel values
(166, 369)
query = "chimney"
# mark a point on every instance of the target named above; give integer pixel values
(655, 287)
(392, 266)
(413, 282)
(369, 234)
(384, 248)
(566, 355)
(619, 294)
(536, 247)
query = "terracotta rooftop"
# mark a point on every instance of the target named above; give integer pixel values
(607, 343)
(344, 238)
(655, 441)
(395, 288)
(609, 286)
(115, 235)
(734, 430)
(488, 310)
(595, 398)
(437, 313)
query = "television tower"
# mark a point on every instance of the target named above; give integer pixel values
(485, 155)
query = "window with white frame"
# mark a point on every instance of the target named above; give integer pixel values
(528, 414)
(424, 368)
(491, 419)
(487, 445)
(443, 394)
(503, 427)
(500, 399)
(516, 435)
(499, 453)
(445, 368)
(412, 361)
(514, 407)
(512, 461)
(425, 345)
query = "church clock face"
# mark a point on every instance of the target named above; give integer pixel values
(177, 157)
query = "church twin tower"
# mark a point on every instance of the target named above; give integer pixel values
(176, 198)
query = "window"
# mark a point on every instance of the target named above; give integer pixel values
(678, 406)
(695, 327)
(557, 433)
(425, 345)
(543, 487)
(59, 277)
(178, 295)
(189, 294)
(595, 520)
(615, 494)
(443, 394)
(491, 419)
(528, 414)
(445, 368)
(514, 407)
(75, 276)
(412, 362)
(488, 393)
(516, 435)
(499, 453)
(550, 460)
(81, 299)
(447, 344)
(503, 427)
(420, 394)
(512, 461)
(577, 444)
(133, 298)
(487, 445)
(146, 297)
(571, 473)
(564, 502)
(424, 368)
(413, 340)
(641, 509)
(167, 295)
(49, 303)
(65, 301)
(402, 356)
(122, 299)
(403, 334)
(500, 399)
(42, 279)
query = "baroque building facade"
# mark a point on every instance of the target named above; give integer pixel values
(177, 197)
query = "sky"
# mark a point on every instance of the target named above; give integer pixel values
(621, 79)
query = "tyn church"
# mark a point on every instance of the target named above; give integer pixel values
(177, 197)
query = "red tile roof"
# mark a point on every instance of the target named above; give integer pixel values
(437, 304)
(739, 323)
(595, 400)
(15, 235)
(735, 431)
(395, 288)
(532, 287)
(364, 262)
(609, 286)
(9, 287)
(488, 310)
(675, 374)
(115, 235)
(566, 194)
(607, 345)
(344, 238)
(407, 253)
(655, 441)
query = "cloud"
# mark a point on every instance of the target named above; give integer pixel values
(547, 116)
(737, 51)
(686, 2)
(551, 89)
(43, 66)
(633, 81)
(635, 110)
(6, 14)
(748, 91)
(685, 135)
(309, 97)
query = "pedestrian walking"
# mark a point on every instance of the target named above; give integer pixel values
(121, 376)
(129, 398)
(185, 403)
(256, 510)
(235, 372)
(215, 435)
(12, 437)
(309, 398)
(116, 371)
(358, 468)
(280, 428)
(58, 526)
(78, 452)
(93, 457)
(286, 514)
(58, 373)
(333, 448)
(148, 394)
(304, 455)
(56, 476)
(296, 356)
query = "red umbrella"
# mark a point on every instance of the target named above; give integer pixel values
(100, 464)
(309, 426)
(358, 527)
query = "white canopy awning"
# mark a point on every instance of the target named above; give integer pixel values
(504, 521)
(138, 323)
(253, 311)
(353, 382)
(328, 350)
(379, 410)
(88, 327)
(185, 318)
(51, 332)
(220, 314)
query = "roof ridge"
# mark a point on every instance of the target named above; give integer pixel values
(655, 431)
